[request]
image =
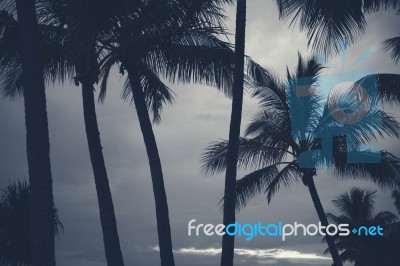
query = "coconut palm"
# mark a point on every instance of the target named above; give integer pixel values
(14, 225)
(283, 141)
(357, 209)
(229, 215)
(181, 44)
(41, 213)
(328, 23)
(69, 33)
(176, 40)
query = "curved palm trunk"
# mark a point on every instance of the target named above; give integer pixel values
(41, 215)
(163, 224)
(106, 206)
(324, 220)
(228, 242)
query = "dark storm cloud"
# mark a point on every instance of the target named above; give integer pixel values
(199, 116)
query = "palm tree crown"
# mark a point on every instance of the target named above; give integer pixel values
(329, 22)
(273, 142)
(357, 209)
(285, 138)
(14, 225)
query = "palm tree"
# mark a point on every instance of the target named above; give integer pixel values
(329, 23)
(277, 140)
(70, 33)
(176, 40)
(357, 209)
(14, 225)
(41, 215)
(229, 215)
(182, 48)
(87, 30)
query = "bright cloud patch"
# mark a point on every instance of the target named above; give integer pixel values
(253, 253)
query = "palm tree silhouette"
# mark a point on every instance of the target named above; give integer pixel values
(357, 209)
(328, 23)
(41, 203)
(229, 215)
(176, 40)
(14, 225)
(70, 32)
(276, 139)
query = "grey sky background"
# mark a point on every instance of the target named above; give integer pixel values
(199, 116)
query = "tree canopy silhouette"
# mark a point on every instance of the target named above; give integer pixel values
(14, 225)
(357, 209)
(277, 137)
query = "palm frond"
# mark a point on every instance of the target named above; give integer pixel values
(252, 153)
(385, 86)
(268, 180)
(269, 90)
(342, 219)
(288, 176)
(156, 92)
(385, 173)
(374, 126)
(57, 63)
(355, 113)
(270, 121)
(254, 183)
(105, 68)
(393, 46)
(263, 80)
(327, 23)
(9, 6)
(370, 6)
(305, 104)
(11, 80)
(205, 11)
(194, 57)
(357, 204)
(384, 218)
(58, 226)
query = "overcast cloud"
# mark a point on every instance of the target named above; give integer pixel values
(199, 116)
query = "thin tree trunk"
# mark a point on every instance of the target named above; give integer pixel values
(106, 206)
(41, 214)
(229, 217)
(163, 224)
(324, 220)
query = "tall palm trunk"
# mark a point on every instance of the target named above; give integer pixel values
(163, 224)
(228, 242)
(361, 258)
(41, 215)
(309, 181)
(106, 206)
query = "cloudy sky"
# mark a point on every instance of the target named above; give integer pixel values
(199, 116)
